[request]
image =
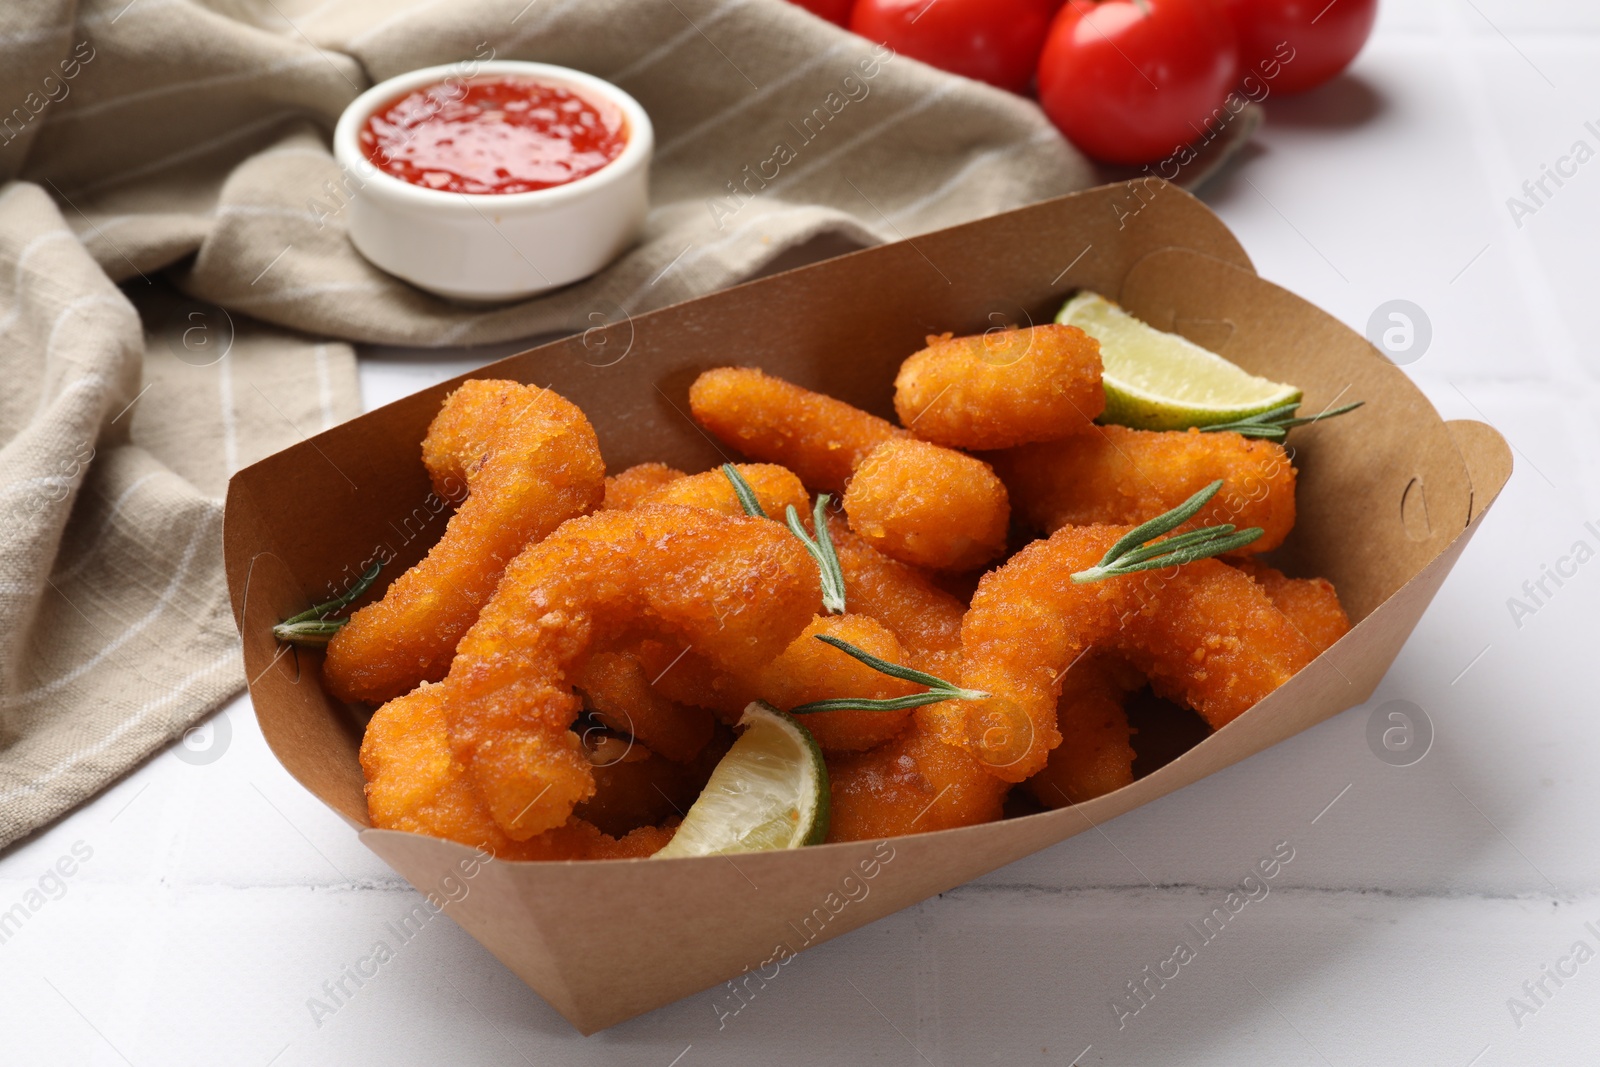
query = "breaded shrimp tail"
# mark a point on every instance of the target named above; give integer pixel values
(1094, 757)
(1310, 604)
(527, 461)
(415, 783)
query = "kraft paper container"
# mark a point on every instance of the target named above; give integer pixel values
(1413, 485)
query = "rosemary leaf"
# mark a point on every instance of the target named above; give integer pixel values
(742, 490)
(313, 626)
(1161, 524)
(1276, 422)
(313, 633)
(821, 549)
(1307, 420)
(1212, 546)
(827, 558)
(1177, 541)
(1132, 553)
(915, 700)
(938, 689)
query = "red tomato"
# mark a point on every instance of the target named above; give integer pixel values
(996, 41)
(832, 10)
(1130, 81)
(1294, 45)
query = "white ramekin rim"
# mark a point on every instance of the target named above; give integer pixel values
(347, 151)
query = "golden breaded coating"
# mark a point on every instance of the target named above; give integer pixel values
(819, 438)
(624, 490)
(1207, 637)
(925, 619)
(1311, 604)
(635, 788)
(776, 488)
(415, 783)
(737, 589)
(811, 670)
(685, 677)
(929, 506)
(1094, 757)
(1112, 474)
(620, 695)
(1002, 388)
(528, 461)
(912, 785)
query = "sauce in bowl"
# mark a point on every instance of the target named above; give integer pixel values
(493, 135)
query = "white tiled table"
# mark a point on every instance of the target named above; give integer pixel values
(219, 897)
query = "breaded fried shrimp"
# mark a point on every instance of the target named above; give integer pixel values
(924, 618)
(810, 670)
(819, 438)
(415, 783)
(621, 696)
(1002, 388)
(1206, 636)
(625, 488)
(1111, 474)
(682, 675)
(737, 589)
(928, 505)
(528, 461)
(1310, 603)
(918, 502)
(911, 785)
(1094, 757)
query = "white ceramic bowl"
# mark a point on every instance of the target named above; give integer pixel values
(484, 247)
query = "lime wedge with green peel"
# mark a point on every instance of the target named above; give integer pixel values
(769, 792)
(1156, 380)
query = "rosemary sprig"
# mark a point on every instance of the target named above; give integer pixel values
(821, 549)
(938, 689)
(742, 490)
(1277, 422)
(1131, 554)
(312, 627)
(820, 546)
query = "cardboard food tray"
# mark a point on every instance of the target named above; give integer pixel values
(1415, 487)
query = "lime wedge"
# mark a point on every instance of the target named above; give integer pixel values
(769, 792)
(1156, 380)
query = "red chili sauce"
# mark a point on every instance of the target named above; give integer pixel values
(493, 135)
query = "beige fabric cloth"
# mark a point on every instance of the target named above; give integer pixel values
(115, 629)
(184, 143)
